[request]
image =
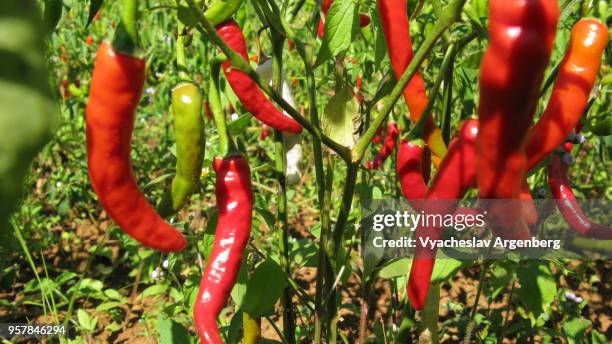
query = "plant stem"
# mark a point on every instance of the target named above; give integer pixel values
(181, 62)
(334, 244)
(214, 100)
(470, 324)
(323, 259)
(504, 326)
(363, 317)
(451, 14)
(447, 105)
(238, 62)
(592, 244)
(430, 315)
(324, 186)
(277, 84)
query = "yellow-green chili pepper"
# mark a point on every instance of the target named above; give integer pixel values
(189, 136)
(252, 329)
(222, 10)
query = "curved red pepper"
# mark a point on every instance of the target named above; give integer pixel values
(576, 77)
(394, 18)
(568, 205)
(414, 185)
(387, 148)
(251, 97)
(457, 173)
(235, 206)
(521, 39)
(116, 88)
(412, 180)
(410, 172)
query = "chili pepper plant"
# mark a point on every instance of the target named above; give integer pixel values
(183, 171)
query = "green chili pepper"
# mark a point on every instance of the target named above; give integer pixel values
(189, 136)
(29, 112)
(222, 10)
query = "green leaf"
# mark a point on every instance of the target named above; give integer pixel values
(94, 7)
(154, 290)
(598, 337)
(338, 116)
(396, 268)
(239, 289)
(172, 332)
(263, 289)
(341, 26)
(88, 286)
(106, 306)
(380, 47)
(113, 294)
(234, 334)
(538, 287)
(267, 216)
(85, 320)
(446, 268)
(575, 329)
(239, 125)
(501, 274)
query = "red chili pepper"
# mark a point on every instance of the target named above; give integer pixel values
(568, 205)
(577, 75)
(512, 69)
(251, 97)
(116, 88)
(457, 173)
(387, 148)
(326, 5)
(394, 17)
(235, 207)
(410, 171)
(410, 155)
